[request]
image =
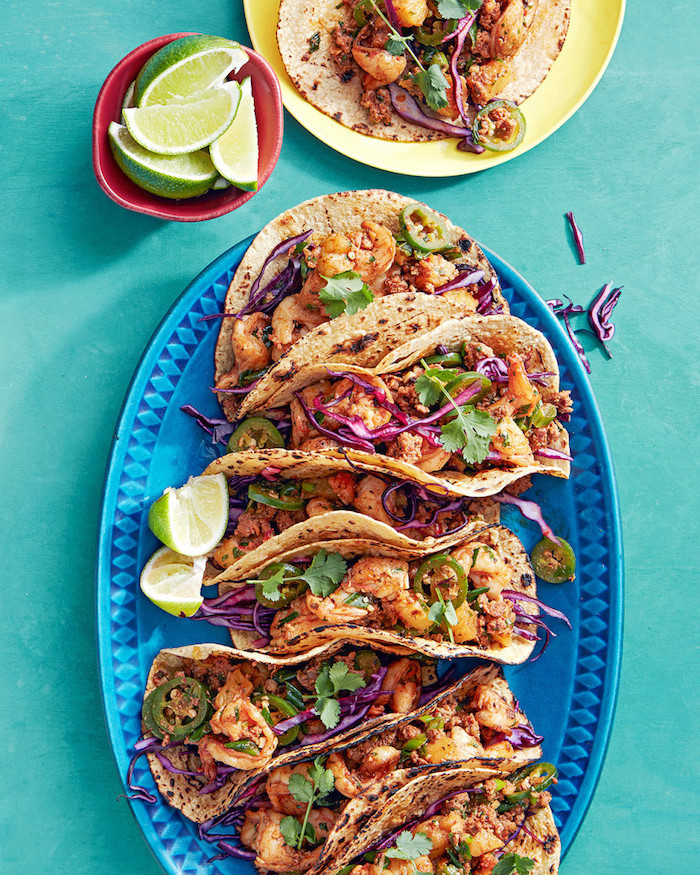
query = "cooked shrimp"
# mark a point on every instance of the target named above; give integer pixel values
(492, 709)
(368, 252)
(523, 393)
(433, 272)
(511, 29)
(484, 566)
(379, 762)
(368, 500)
(239, 720)
(511, 443)
(369, 53)
(277, 788)
(377, 576)
(433, 458)
(362, 403)
(404, 678)
(334, 608)
(261, 832)
(302, 429)
(250, 351)
(343, 485)
(319, 506)
(411, 13)
(410, 867)
(345, 782)
(291, 321)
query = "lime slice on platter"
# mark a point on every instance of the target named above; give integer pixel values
(186, 66)
(184, 125)
(171, 176)
(192, 520)
(173, 582)
(235, 152)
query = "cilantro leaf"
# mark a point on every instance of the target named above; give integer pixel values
(395, 45)
(471, 432)
(431, 384)
(300, 787)
(323, 779)
(325, 573)
(457, 8)
(433, 84)
(271, 586)
(512, 864)
(410, 847)
(331, 681)
(344, 679)
(329, 712)
(345, 293)
(291, 830)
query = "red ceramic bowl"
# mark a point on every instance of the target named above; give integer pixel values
(268, 113)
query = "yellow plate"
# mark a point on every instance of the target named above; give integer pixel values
(593, 32)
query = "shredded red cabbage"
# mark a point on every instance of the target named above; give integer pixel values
(551, 453)
(558, 308)
(465, 278)
(238, 609)
(515, 596)
(530, 510)
(578, 238)
(286, 282)
(415, 491)
(599, 312)
(219, 429)
(523, 735)
(392, 16)
(408, 108)
(461, 33)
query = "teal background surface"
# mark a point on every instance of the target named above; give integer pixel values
(83, 284)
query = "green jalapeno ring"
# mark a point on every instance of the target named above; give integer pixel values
(498, 145)
(255, 433)
(465, 380)
(272, 497)
(367, 662)
(450, 359)
(423, 229)
(285, 709)
(542, 415)
(288, 591)
(193, 693)
(244, 745)
(433, 38)
(433, 564)
(547, 771)
(554, 563)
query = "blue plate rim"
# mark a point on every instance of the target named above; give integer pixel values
(566, 354)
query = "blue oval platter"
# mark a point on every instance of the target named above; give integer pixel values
(569, 694)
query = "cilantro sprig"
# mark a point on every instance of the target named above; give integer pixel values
(314, 788)
(457, 8)
(443, 611)
(409, 846)
(470, 430)
(345, 293)
(331, 681)
(432, 81)
(323, 576)
(513, 864)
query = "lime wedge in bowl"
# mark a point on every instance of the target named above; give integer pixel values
(171, 176)
(235, 152)
(184, 125)
(192, 520)
(174, 582)
(186, 66)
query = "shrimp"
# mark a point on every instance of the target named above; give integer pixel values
(319, 506)
(291, 321)
(239, 720)
(334, 608)
(362, 403)
(511, 443)
(343, 485)
(433, 458)
(248, 338)
(302, 429)
(368, 500)
(410, 867)
(511, 29)
(345, 782)
(433, 272)
(377, 576)
(484, 566)
(261, 832)
(411, 13)
(380, 66)
(277, 788)
(379, 762)
(521, 391)
(403, 677)
(369, 252)
(493, 709)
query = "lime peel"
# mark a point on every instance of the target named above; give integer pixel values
(235, 152)
(173, 582)
(192, 520)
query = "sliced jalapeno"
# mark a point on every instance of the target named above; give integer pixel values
(277, 496)
(423, 228)
(289, 590)
(554, 563)
(428, 572)
(368, 663)
(465, 380)
(450, 359)
(279, 710)
(167, 710)
(244, 745)
(434, 37)
(541, 776)
(256, 433)
(499, 126)
(542, 415)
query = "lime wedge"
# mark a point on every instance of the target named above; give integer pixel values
(174, 582)
(186, 66)
(235, 152)
(192, 519)
(184, 125)
(171, 176)
(128, 101)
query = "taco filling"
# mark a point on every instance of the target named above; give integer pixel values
(465, 411)
(501, 825)
(343, 273)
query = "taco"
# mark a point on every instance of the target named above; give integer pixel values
(457, 821)
(413, 71)
(371, 253)
(477, 598)
(214, 722)
(281, 499)
(473, 406)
